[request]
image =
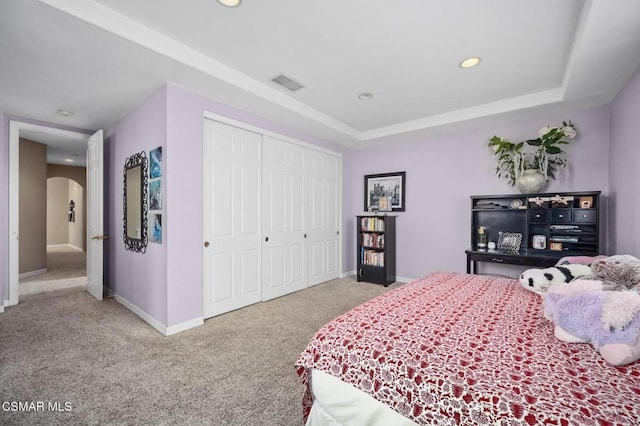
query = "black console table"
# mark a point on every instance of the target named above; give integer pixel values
(526, 257)
(548, 226)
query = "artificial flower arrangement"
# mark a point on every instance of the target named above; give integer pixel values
(545, 156)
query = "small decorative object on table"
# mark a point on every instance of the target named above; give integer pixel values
(509, 241)
(481, 237)
(558, 202)
(539, 202)
(384, 203)
(555, 246)
(586, 202)
(516, 204)
(539, 242)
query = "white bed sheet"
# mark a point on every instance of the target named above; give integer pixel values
(337, 403)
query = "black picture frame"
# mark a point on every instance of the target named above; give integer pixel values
(509, 241)
(390, 184)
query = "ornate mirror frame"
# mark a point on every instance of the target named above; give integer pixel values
(137, 160)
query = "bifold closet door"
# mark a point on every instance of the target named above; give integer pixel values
(284, 253)
(231, 223)
(323, 217)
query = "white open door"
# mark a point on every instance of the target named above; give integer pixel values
(95, 217)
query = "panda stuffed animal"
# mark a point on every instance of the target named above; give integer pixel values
(539, 280)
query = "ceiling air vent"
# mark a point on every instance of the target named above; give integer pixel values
(287, 83)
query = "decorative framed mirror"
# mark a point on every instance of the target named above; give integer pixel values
(135, 202)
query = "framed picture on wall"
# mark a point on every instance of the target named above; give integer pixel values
(155, 170)
(386, 190)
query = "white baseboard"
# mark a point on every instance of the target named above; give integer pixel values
(66, 245)
(32, 273)
(398, 279)
(347, 274)
(196, 322)
(167, 331)
(142, 314)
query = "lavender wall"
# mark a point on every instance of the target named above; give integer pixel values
(4, 209)
(624, 173)
(140, 279)
(183, 161)
(443, 171)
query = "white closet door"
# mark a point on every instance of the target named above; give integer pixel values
(323, 217)
(232, 241)
(284, 259)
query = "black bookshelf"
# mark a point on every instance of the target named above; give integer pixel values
(376, 249)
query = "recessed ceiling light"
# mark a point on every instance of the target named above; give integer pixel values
(229, 3)
(470, 62)
(365, 96)
(65, 112)
(68, 160)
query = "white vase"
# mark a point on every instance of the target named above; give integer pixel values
(531, 182)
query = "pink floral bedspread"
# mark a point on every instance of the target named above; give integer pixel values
(463, 349)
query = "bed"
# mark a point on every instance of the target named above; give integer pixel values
(459, 349)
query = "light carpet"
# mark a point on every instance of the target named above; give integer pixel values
(109, 367)
(66, 270)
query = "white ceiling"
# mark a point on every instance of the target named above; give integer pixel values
(101, 58)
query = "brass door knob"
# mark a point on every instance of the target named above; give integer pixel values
(206, 243)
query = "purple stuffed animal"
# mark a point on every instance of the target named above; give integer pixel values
(610, 320)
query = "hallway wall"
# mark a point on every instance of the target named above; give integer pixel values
(33, 206)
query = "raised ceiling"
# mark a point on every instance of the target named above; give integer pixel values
(102, 58)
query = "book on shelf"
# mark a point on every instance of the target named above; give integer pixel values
(373, 240)
(372, 257)
(372, 224)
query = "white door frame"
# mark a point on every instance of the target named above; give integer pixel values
(14, 191)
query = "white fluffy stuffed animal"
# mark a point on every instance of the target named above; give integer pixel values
(539, 280)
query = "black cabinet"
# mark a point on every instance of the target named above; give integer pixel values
(552, 225)
(376, 249)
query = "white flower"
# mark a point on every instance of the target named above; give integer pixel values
(569, 131)
(545, 130)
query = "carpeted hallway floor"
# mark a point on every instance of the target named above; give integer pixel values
(66, 269)
(109, 367)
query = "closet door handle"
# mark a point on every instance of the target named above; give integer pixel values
(305, 235)
(266, 239)
(360, 272)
